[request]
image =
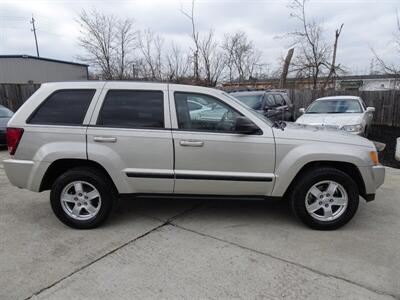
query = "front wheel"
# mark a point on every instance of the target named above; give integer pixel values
(325, 198)
(82, 198)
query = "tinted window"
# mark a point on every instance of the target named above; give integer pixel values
(270, 101)
(215, 116)
(132, 109)
(64, 107)
(279, 100)
(5, 112)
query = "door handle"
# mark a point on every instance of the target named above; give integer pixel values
(186, 143)
(103, 139)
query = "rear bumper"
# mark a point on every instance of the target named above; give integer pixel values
(25, 174)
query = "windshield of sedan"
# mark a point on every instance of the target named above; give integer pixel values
(252, 101)
(339, 106)
(5, 112)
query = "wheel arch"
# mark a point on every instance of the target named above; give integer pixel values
(60, 166)
(346, 167)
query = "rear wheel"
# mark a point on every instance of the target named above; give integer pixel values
(82, 198)
(325, 198)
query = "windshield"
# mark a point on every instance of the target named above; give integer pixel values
(254, 112)
(5, 112)
(334, 107)
(252, 101)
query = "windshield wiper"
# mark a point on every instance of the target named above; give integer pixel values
(279, 124)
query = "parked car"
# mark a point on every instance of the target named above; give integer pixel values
(197, 108)
(275, 105)
(5, 116)
(349, 113)
(93, 142)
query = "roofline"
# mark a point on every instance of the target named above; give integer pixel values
(44, 59)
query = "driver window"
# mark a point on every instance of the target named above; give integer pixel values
(212, 115)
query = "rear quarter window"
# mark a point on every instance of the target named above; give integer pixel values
(63, 107)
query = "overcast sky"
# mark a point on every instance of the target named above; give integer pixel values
(367, 24)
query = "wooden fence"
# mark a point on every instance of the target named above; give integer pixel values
(386, 103)
(14, 95)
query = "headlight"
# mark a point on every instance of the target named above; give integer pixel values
(353, 128)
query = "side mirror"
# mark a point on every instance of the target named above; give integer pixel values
(370, 109)
(302, 110)
(245, 126)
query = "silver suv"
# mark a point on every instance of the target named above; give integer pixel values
(92, 142)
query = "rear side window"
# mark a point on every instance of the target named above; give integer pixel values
(63, 107)
(279, 100)
(132, 109)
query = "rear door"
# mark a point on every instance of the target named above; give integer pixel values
(129, 134)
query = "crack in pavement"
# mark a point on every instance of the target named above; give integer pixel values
(165, 223)
(286, 261)
(170, 220)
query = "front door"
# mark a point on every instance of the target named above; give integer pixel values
(210, 157)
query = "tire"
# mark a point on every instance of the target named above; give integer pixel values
(331, 211)
(92, 210)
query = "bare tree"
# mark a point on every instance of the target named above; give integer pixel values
(151, 49)
(125, 40)
(241, 57)
(333, 68)
(108, 43)
(313, 52)
(176, 64)
(196, 42)
(390, 68)
(211, 58)
(97, 38)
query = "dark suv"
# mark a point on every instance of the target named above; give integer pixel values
(276, 105)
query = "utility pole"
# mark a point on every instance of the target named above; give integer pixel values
(34, 33)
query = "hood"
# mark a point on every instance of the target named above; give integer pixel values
(3, 123)
(336, 120)
(297, 131)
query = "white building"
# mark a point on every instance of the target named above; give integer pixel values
(20, 69)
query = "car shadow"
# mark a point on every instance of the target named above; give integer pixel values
(233, 211)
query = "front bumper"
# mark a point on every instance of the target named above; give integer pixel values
(374, 177)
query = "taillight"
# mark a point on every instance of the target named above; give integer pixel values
(13, 137)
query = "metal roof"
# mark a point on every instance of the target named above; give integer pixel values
(44, 59)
